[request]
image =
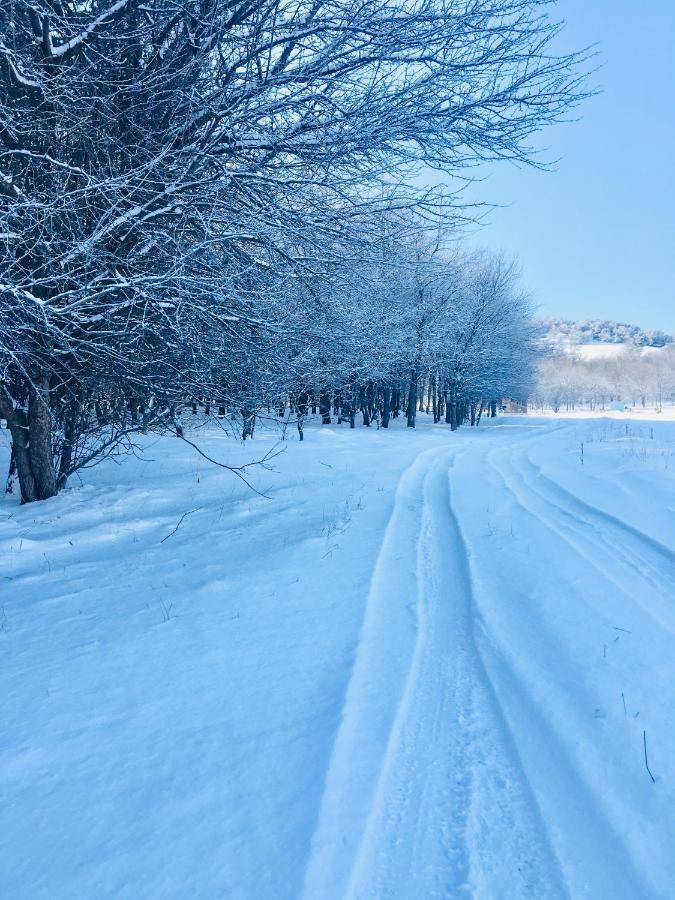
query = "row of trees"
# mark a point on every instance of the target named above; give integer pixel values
(600, 331)
(633, 378)
(442, 334)
(211, 199)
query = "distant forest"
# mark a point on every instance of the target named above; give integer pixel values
(590, 331)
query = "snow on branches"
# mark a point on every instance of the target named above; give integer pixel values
(183, 184)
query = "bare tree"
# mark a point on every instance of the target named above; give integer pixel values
(168, 170)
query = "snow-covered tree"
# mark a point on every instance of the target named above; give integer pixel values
(171, 173)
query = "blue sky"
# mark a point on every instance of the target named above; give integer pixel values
(596, 236)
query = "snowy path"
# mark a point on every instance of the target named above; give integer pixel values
(426, 669)
(444, 806)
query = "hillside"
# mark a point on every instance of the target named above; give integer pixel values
(599, 331)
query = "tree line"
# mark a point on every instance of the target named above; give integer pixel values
(631, 378)
(212, 200)
(605, 331)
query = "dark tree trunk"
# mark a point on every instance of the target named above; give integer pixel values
(324, 407)
(370, 400)
(450, 414)
(249, 423)
(11, 474)
(363, 406)
(40, 440)
(31, 435)
(451, 410)
(17, 422)
(493, 409)
(412, 399)
(434, 398)
(69, 437)
(386, 405)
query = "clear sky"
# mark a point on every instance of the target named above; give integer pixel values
(596, 237)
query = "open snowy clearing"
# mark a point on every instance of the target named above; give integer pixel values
(425, 665)
(647, 415)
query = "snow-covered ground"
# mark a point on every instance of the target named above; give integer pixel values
(424, 665)
(646, 414)
(602, 350)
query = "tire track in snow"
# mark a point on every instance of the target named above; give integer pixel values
(621, 562)
(424, 796)
(631, 536)
(381, 661)
(575, 814)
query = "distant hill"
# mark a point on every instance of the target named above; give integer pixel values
(569, 334)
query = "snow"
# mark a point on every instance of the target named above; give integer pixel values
(590, 352)
(55, 51)
(647, 414)
(601, 350)
(604, 350)
(423, 665)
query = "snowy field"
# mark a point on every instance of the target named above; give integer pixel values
(649, 415)
(424, 665)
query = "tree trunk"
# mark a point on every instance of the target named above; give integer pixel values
(434, 398)
(249, 423)
(363, 406)
(12, 471)
(40, 440)
(412, 399)
(386, 406)
(31, 435)
(451, 408)
(324, 407)
(493, 409)
(17, 422)
(69, 436)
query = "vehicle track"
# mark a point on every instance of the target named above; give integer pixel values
(566, 799)
(637, 567)
(425, 795)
